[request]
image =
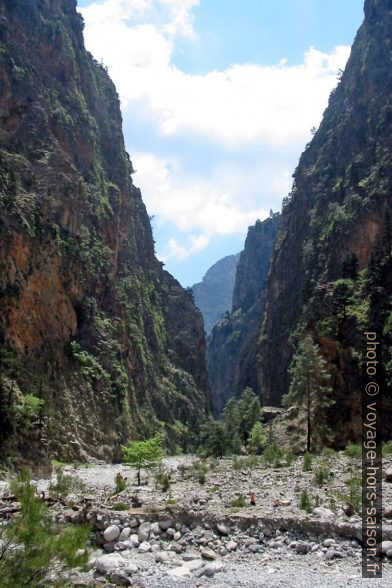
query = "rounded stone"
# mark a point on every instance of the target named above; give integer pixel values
(111, 533)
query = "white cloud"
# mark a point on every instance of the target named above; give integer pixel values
(114, 11)
(276, 104)
(246, 106)
(178, 252)
(213, 205)
(181, 22)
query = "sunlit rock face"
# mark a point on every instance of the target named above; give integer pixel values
(90, 322)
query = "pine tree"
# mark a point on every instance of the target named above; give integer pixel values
(309, 388)
(33, 545)
(257, 439)
(250, 412)
(232, 423)
(213, 438)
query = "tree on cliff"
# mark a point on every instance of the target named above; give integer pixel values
(309, 389)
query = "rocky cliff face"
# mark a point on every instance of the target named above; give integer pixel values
(97, 341)
(213, 295)
(330, 271)
(232, 345)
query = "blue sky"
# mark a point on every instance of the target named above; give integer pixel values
(218, 99)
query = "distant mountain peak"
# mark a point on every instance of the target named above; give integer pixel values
(213, 295)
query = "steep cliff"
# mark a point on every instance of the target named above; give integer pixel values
(97, 341)
(213, 295)
(232, 345)
(330, 274)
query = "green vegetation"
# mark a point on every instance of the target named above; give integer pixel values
(201, 472)
(353, 496)
(257, 439)
(239, 427)
(170, 501)
(387, 448)
(163, 478)
(354, 451)
(27, 409)
(64, 485)
(273, 455)
(247, 462)
(120, 506)
(321, 475)
(305, 502)
(309, 389)
(32, 545)
(120, 483)
(307, 465)
(238, 502)
(143, 454)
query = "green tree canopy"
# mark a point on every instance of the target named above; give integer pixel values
(310, 389)
(214, 438)
(257, 439)
(250, 412)
(33, 545)
(143, 454)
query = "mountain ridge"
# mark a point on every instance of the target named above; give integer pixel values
(214, 294)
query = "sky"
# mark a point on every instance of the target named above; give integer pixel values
(218, 100)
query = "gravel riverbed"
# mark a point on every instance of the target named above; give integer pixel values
(191, 536)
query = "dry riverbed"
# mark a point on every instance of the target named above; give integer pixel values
(192, 535)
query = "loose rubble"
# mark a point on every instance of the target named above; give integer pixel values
(191, 536)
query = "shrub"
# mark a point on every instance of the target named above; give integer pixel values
(120, 483)
(163, 478)
(64, 485)
(307, 462)
(387, 448)
(289, 457)
(273, 454)
(321, 474)
(201, 472)
(243, 463)
(353, 451)
(328, 452)
(120, 506)
(353, 496)
(238, 502)
(305, 502)
(27, 409)
(32, 545)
